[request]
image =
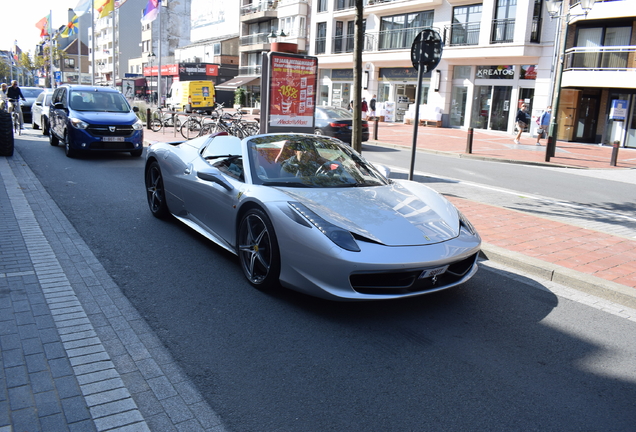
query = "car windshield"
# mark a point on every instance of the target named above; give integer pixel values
(334, 113)
(300, 160)
(31, 93)
(90, 100)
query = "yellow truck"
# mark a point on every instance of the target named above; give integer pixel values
(191, 95)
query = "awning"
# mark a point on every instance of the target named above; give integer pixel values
(236, 82)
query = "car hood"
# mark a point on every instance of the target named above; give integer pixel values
(105, 118)
(400, 214)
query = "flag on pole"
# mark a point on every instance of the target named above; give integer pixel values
(71, 28)
(104, 7)
(43, 25)
(83, 6)
(151, 12)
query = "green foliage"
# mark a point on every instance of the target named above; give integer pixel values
(240, 96)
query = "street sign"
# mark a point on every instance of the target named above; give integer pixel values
(426, 50)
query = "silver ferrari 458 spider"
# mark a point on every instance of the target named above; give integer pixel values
(309, 213)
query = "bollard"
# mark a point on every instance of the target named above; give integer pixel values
(614, 153)
(148, 118)
(375, 128)
(469, 141)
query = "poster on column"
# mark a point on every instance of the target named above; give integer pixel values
(292, 91)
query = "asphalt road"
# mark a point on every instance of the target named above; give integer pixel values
(500, 353)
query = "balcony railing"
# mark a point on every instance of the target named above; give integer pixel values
(461, 34)
(250, 70)
(503, 30)
(262, 6)
(396, 39)
(339, 5)
(343, 44)
(321, 46)
(254, 39)
(611, 58)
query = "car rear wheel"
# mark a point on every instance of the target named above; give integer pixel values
(155, 192)
(258, 250)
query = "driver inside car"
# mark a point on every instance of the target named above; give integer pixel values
(303, 163)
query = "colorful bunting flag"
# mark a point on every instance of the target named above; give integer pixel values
(104, 7)
(43, 25)
(83, 6)
(71, 28)
(151, 12)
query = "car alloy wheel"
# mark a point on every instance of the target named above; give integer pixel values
(155, 192)
(258, 249)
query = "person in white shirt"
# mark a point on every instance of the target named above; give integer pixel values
(3, 97)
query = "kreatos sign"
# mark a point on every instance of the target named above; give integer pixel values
(495, 72)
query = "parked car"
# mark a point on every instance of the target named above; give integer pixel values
(40, 111)
(337, 122)
(87, 118)
(310, 213)
(30, 94)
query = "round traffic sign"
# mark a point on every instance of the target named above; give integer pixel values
(427, 50)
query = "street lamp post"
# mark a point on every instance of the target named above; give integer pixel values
(151, 56)
(561, 10)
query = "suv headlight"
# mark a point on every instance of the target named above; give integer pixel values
(138, 125)
(78, 124)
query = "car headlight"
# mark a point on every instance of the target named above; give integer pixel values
(465, 223)
(78, 124)
(138, 125)
(339, 236)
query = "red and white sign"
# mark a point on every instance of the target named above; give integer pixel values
(292, 91)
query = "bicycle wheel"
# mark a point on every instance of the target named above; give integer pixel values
(16, 124)
(191, 128)
(156, 125)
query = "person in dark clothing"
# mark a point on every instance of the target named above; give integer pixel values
(14, 94)
(364, 108)
(522, 120)
(372, 108)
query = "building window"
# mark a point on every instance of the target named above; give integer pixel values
(399, 31)
(321, 38)
(503, 27)
(536, 21)
(465, 27)
(594, 50)
(322, 5)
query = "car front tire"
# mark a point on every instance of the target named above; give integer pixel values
(155, 191)
(258, 250)
(70, 151)
(45, 126)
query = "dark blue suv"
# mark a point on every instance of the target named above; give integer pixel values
(87, 118)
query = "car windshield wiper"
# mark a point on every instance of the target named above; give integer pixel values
(222, 156)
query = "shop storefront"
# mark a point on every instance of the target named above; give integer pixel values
(488, 97)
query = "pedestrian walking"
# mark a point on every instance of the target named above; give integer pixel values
(544, 122)
(372, 103)
(364, 108)
(522, 120)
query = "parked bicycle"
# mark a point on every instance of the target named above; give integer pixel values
(163, 119)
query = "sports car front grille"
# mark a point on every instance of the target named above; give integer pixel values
(104, 130)
(404, 282)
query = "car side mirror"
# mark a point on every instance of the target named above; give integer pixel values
(135, 109)
(58, 105)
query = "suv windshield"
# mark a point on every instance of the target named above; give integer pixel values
(87, 100)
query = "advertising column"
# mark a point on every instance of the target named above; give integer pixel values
(290, 90)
